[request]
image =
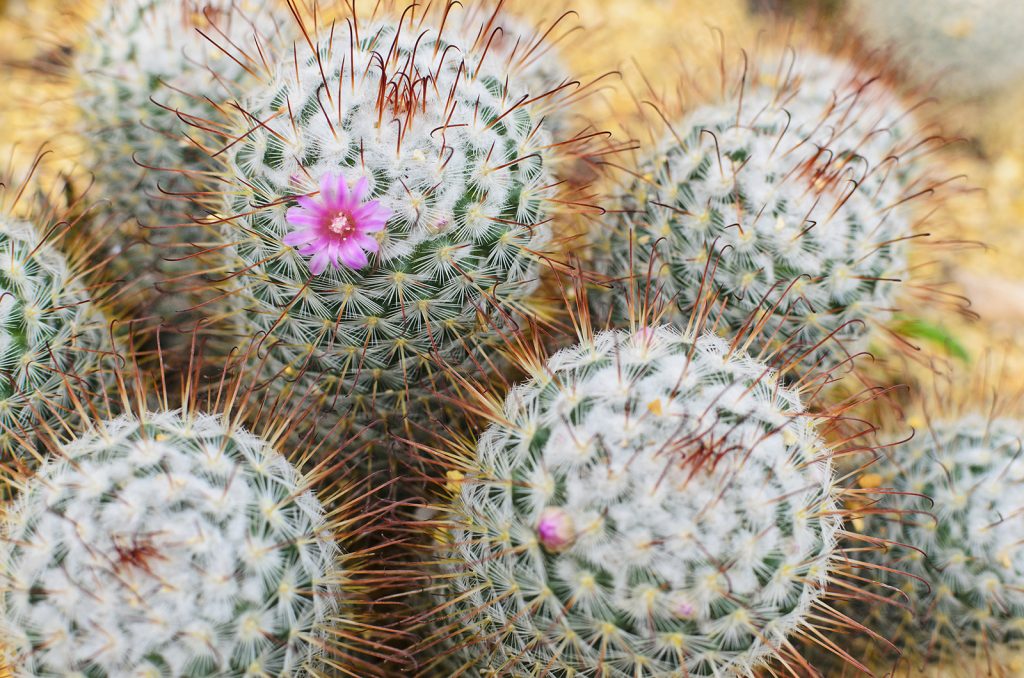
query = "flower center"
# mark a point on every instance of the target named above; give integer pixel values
(340, 225)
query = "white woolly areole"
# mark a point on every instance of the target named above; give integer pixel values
(972, 531)
(171, 546)
(48, 329)
(733, 197)
(446, 142)
(700, 500)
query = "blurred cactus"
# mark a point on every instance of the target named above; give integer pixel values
(142, 70)
(957, 527)
(647, 504)
(963, 48)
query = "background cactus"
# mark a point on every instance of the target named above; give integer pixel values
(956, 525)
(414, 126)
(729, 202)
(50, 332)
(647, 504)
(171, 544)
(962, 48)
(142, 70)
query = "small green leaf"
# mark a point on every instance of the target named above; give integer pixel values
(916, 328)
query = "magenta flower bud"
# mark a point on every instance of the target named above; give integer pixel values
(555, 529)
(683, 609)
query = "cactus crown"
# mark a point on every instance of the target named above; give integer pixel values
(653, 504)
(725, 205)
(968, 540)
(167, 544)
(442, 137)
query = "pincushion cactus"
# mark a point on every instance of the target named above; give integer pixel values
(168, 544)
(964, 549)
(728, 202)
(422, 173)
(50, 331)
(143, 69)
(649, 505)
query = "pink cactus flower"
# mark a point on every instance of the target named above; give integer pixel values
(336, 228)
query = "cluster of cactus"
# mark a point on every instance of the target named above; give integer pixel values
(370, 205)
(389, 197)
(142, 72)
(956, 529)
(651, 504)
(167, 544)
(50, 330)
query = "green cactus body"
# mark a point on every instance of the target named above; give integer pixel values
(652, 506)
(731, 203)
(450, 147)
(49, 331)
(172, 545)
(966, 545)
(141, 73)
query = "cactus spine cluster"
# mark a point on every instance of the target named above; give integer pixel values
(170, 544)
(50, 332)
(652, 505)
(425, 128)
(956, 525)
(143, 72)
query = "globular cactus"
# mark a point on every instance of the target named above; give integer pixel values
(51, 334)
(728, 203)
(388, 200)
(964, 49)
(143, 69)
(954, 522)
(648, 504)
(167, 544)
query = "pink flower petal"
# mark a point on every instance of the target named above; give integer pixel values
(300, 237)
(359, 192)
(318, 263)
(368, 243)
(353, 256)
(311, 205)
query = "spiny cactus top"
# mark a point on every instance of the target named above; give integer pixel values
(970, 537)
(172, 545)
(729, 202)
(652, 506)
(50, 333)
(848, 112)
(421, 173)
